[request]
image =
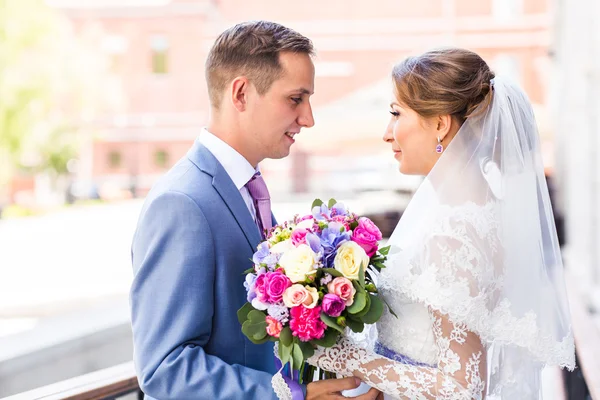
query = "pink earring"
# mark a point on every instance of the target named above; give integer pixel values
(439, 148)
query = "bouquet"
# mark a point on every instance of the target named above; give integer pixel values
(312, 278)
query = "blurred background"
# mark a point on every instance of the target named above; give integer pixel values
(98, 98)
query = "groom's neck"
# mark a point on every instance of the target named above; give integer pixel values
(231, 133)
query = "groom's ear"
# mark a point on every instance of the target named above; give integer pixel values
(443, 125)
(239, 93)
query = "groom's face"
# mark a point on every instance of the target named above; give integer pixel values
(275, 118)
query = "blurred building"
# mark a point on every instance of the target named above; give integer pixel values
(158, 49)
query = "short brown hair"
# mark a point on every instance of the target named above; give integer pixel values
(251, 49)
(444, 82)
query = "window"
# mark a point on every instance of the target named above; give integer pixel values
(114, 159)
(159, 45)
(161, 158)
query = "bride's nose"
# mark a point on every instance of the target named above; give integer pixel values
(388, 135)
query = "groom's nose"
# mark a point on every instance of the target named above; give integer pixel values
(306, 118)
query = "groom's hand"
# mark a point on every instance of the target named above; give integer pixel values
(332, 388)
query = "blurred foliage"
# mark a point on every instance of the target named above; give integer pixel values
(53, 83)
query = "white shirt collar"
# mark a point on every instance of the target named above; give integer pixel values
(237, 167)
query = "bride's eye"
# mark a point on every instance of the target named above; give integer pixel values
(394, 113)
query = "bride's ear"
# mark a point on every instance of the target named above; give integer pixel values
(443, 125)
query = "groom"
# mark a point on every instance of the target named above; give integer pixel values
(202, 221)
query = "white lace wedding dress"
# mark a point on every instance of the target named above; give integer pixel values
(421, 354)
(446, 298)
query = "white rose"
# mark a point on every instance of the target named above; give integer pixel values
(282, 247)
(298, 262)
(348, 259)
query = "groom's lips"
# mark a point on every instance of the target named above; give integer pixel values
(291, 134)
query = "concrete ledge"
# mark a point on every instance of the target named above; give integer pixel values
(64, 347)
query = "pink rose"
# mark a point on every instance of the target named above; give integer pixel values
(297, 295)
(306, 323)
(274, 327)
(333, 305)
(365, 240)
(343, 288)
(367, 235)
(369, 226)
(259, 287)
(269, 287)
(299, 236)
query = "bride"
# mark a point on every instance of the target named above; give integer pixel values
(475, 273)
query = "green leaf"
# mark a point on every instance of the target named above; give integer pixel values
(332, 271)
(297, 357)
(256, 316)
(328, 340)
(361, 275)
(316, 203)
(385, 250)
(332, 202)
(285, 337)
(366, 308)
(374, 312)
(307, 349)
(242, 313)
(248, 271)
(330, 322)
(255, 331)
(285, 353)
(354, 325)
(378, 265)
(360, 301)
(255, 327)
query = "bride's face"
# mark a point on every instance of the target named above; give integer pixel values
(413, 139)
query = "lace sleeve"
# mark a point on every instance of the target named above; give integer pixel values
(458, 374)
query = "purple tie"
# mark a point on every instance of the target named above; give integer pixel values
(262, 202)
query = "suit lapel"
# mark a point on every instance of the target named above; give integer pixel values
(231, 196)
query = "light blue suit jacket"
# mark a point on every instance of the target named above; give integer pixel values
(194, 239)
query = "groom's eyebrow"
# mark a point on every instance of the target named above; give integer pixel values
(304, 91)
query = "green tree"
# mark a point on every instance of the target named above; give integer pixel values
(51, 81)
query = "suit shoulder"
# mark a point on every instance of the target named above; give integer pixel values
(183, 177)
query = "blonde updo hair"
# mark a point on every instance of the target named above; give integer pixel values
(444, 82)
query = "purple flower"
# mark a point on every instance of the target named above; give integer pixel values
(331, 238)
(264, 256)
(315, 244)
(249, 285)
(339, 209)
(333, 305)
(279, 312)
(326, 279)
(321, 213)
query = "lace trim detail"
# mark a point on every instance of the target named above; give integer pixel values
(455, 276)
(457, 376)
(280, 387)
